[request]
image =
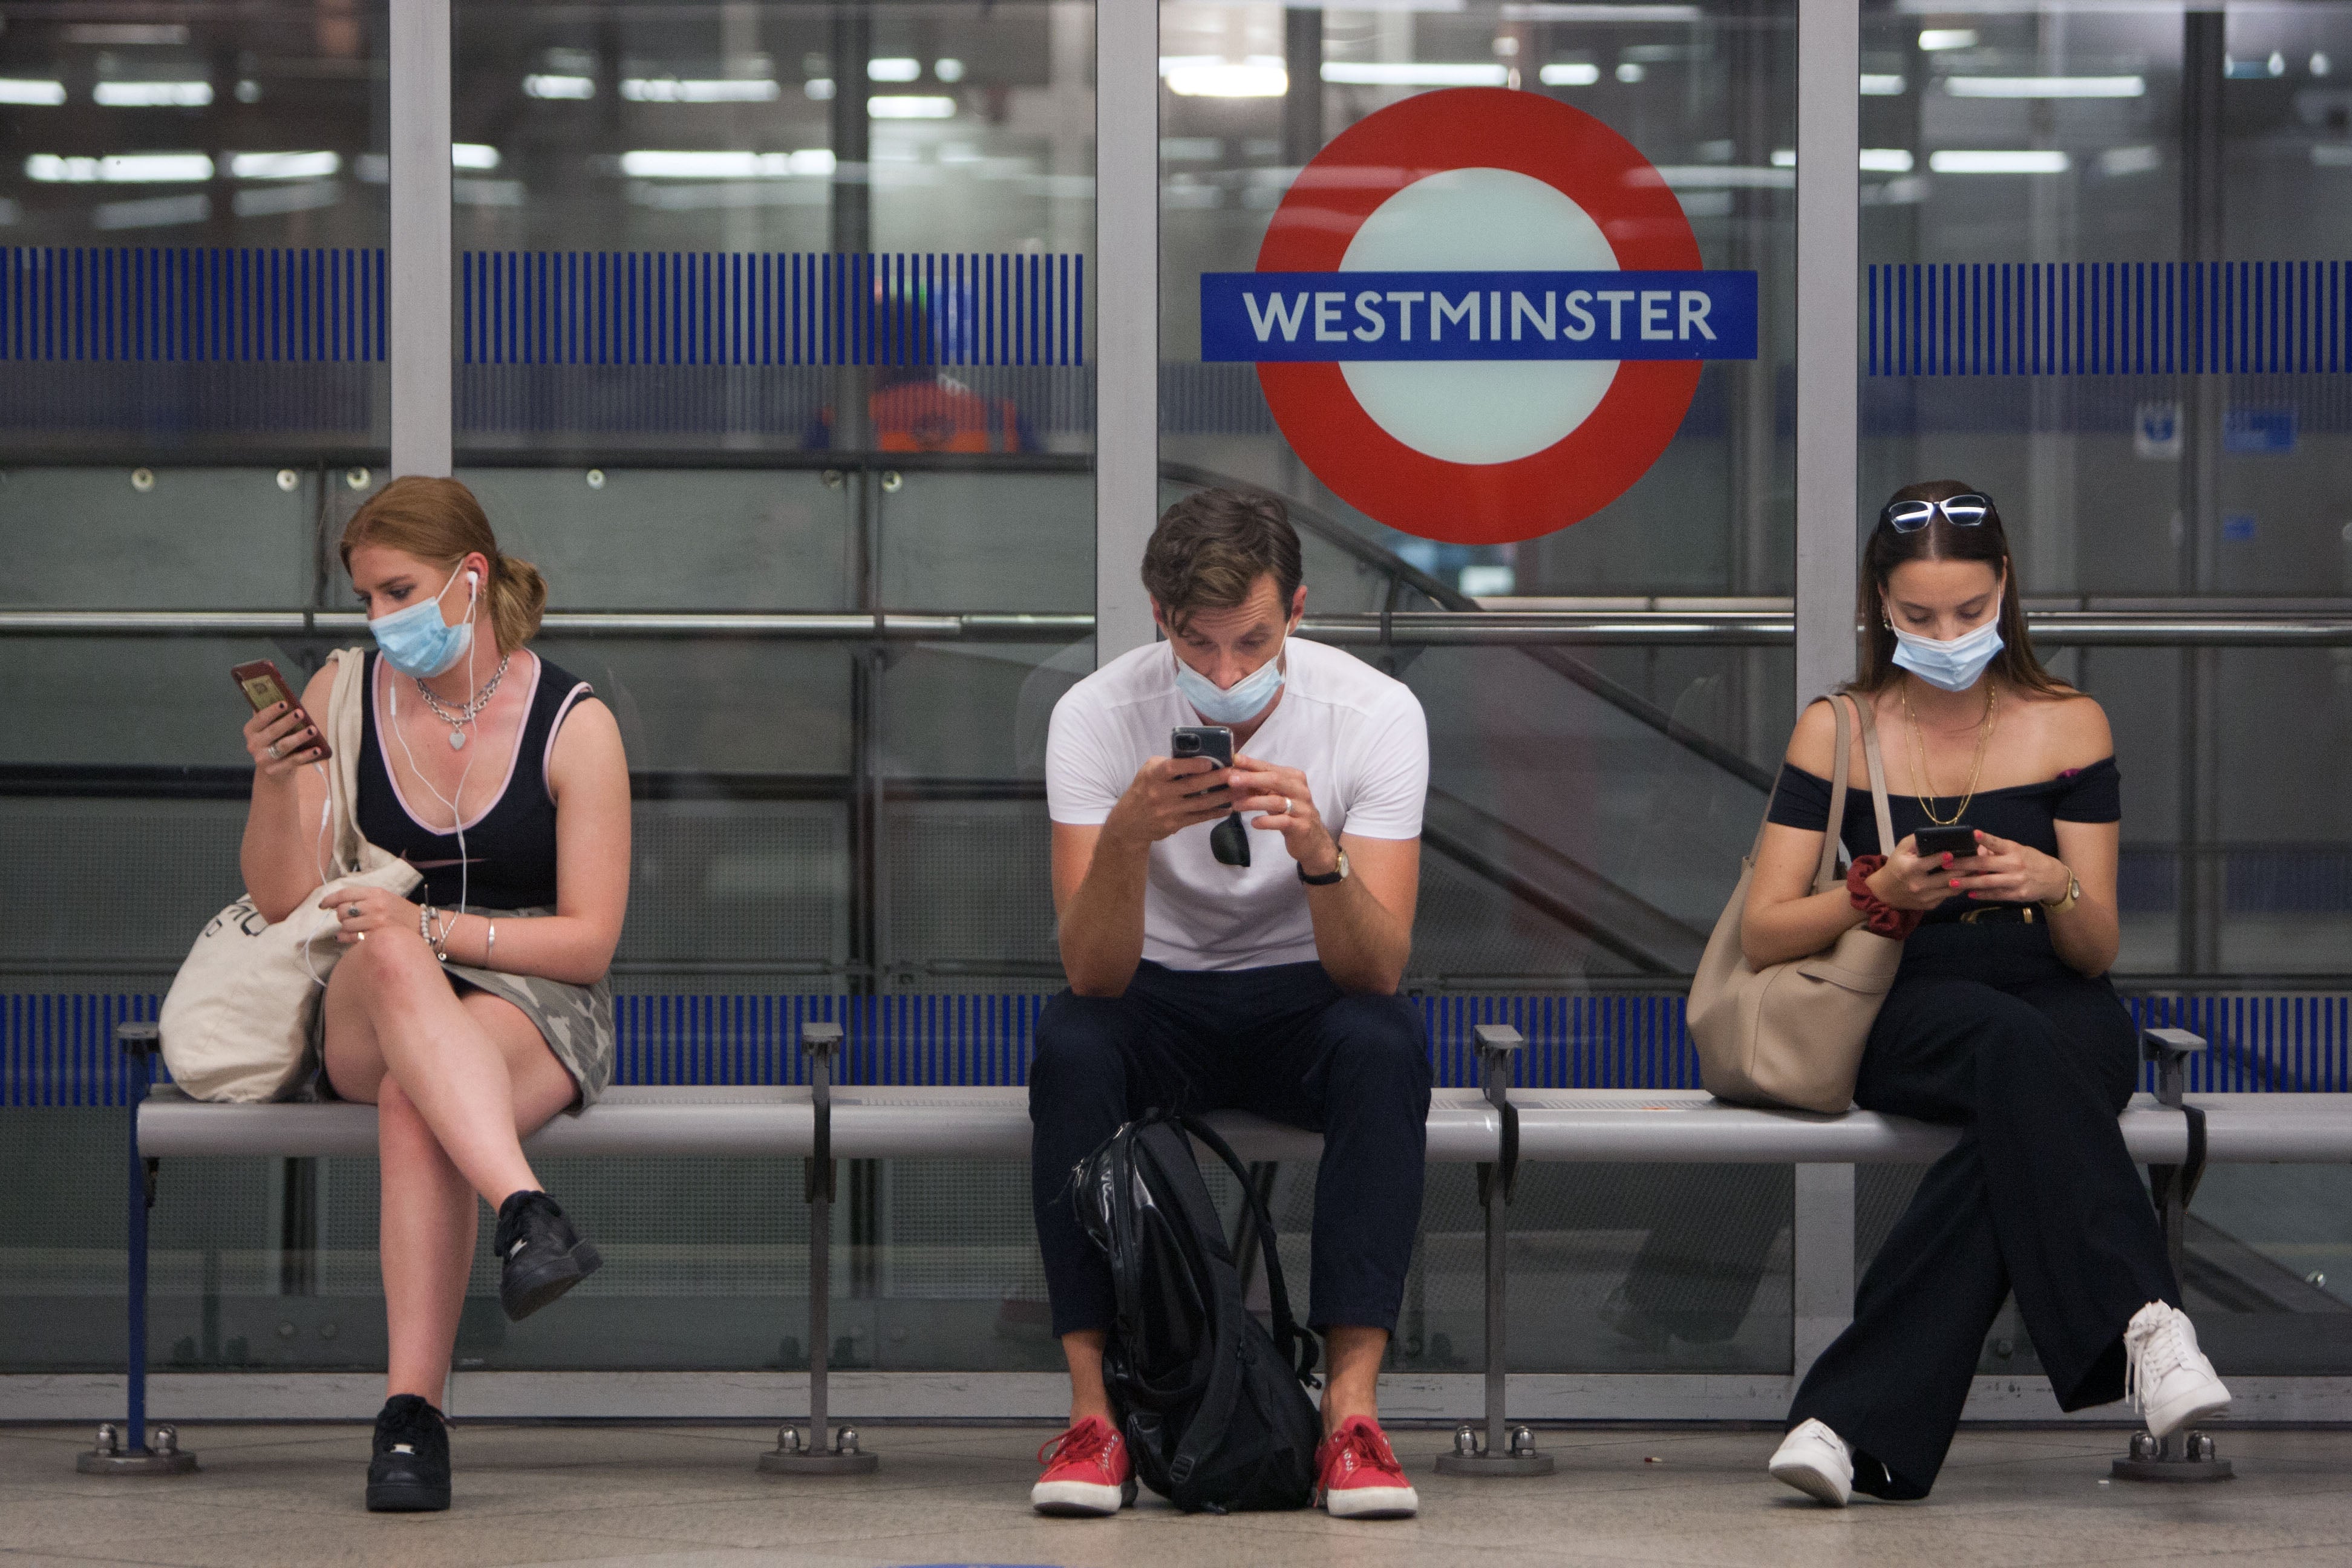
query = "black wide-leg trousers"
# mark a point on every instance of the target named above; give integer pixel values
(1282, 1041)
(1987, 1028)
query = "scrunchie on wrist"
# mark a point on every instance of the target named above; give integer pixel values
(1877, 915)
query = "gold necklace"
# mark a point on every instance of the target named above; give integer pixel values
(1985, 727)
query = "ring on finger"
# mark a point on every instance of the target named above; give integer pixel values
(351, 911)
(274, 753)
(1285, 806)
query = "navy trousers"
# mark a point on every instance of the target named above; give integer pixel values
(1284, 1042)
(1988, 1029)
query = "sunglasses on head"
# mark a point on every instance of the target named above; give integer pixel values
(1966, 511)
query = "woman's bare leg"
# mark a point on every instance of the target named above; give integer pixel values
(456, 1074)
(428, 1216)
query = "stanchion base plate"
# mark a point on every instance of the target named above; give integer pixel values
(776, 1462)
(1495, 1465)
(2171, 1469)
(178, 1463)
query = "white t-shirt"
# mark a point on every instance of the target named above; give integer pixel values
(1356, 734)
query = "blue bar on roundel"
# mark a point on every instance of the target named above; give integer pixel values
(1325, 317)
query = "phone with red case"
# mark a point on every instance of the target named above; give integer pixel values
(263, 686)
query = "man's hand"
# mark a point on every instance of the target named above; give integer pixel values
(1165, 799)
(1289, 806)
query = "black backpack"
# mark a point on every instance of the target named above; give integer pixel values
(1214, 1408)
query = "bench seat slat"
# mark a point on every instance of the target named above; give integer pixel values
(1559, 1125)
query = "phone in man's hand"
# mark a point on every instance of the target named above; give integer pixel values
(1958, 841)
(1229, 840)
(1214, 742)
(263, 686)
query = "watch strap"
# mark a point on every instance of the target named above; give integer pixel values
(1338, 873)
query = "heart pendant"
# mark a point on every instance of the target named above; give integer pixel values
(456, 740)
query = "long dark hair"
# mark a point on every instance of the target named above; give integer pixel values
(1939, 541)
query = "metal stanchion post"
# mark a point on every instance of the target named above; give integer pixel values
(2184, 1456)
(1506, 1451)
(127, 1452)
(823, 1451)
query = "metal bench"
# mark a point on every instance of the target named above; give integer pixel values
(1494, 1127)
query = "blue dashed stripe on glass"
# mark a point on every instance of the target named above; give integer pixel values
(2108, 318)
(740, 308)
(58, 1051)
(192, 304)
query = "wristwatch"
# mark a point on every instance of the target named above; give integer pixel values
(1338, 874)
(2073, 894)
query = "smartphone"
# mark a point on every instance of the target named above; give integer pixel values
(1214, 742)
(1960, 841)
(263, 686)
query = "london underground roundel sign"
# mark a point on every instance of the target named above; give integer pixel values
(1478, 315)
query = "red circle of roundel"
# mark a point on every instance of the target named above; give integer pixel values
(1526, 133)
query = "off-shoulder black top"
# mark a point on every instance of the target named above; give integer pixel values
(2026, 812)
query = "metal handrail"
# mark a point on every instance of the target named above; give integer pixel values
(1468, 629)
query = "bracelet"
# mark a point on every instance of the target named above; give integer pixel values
(440, 944)
(1877, 915)
(491, 943)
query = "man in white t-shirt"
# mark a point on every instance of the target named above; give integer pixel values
(1198, 983)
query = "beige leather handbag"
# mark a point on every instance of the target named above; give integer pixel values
(1792, 1034)
(236, 1024)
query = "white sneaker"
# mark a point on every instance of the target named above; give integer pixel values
(1817, 1462)
(2167, 1378)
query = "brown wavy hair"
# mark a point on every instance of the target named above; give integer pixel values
(1210, 549)
(1939, 541)
(439, 521)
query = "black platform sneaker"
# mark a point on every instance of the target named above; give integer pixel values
(410, 1471)
(539, 1255)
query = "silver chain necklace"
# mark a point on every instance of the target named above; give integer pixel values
(458, 719)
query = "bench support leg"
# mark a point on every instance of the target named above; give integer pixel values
(1506, 1451)
(2184, 1456)
(823, 1451)
(127, 1452)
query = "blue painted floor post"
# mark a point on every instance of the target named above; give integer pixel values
(128, 1452)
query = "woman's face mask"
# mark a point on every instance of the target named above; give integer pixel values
(1953, 664)
(416, 641)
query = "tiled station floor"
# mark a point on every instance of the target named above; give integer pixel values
(690, 1495)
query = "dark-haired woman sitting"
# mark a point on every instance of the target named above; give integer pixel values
(2001, 1020)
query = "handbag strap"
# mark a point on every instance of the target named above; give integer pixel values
(1825, 875)
(1877, 767)
(342, 727)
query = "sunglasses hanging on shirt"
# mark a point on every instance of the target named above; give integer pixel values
(1965, 510)
(1229, 841)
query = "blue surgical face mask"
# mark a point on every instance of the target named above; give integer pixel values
(1239, 704)
(416, 641)
(1953, 665)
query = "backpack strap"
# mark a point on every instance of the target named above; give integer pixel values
(1298, 1346)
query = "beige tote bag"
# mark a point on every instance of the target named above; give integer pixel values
(1792, 1034)
(238, 1022)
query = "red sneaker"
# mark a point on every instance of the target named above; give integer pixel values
(1358, 1475)
(1087, 1474)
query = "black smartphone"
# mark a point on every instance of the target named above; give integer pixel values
(1960, 841)
(1214, 742)
(1229, 840)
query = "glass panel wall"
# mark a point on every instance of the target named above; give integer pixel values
(1584, 799)
(774, 316)
(2103, 285)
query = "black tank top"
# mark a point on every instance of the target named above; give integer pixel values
(511, 844)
